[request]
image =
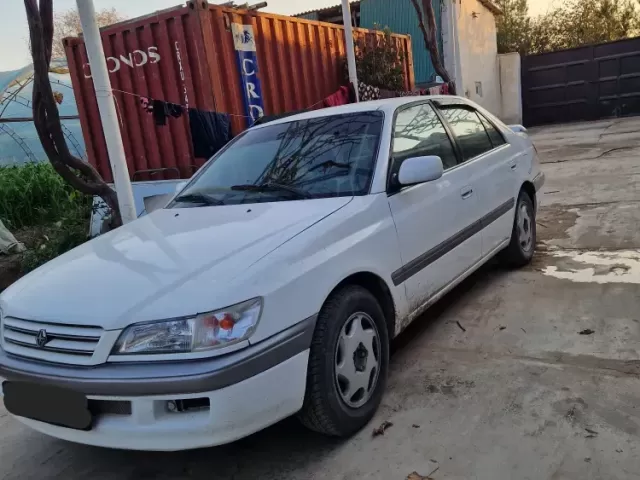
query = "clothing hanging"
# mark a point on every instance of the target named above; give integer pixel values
(210, 131)
(368, 92)
(413, 93)
(341, 97)
(386, 94)
(161, 110)
(400, 93)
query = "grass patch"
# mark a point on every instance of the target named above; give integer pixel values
(42, 211)
(57, 238)
(34, 194)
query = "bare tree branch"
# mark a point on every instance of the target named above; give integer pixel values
(431, 40)
(79, 174)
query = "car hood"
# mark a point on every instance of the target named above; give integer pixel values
(168, 264)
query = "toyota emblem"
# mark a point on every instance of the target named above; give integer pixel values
(42, 339)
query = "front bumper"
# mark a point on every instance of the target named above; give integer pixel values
(234, 413)
(245, 391)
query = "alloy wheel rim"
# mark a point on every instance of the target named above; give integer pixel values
(357, 360)
(525, 228)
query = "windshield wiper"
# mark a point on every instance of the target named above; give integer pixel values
(201, 198)
(272, 187)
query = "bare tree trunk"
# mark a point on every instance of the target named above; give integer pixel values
(431, 40)
(46, 118)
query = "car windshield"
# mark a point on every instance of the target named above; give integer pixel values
(320, 157)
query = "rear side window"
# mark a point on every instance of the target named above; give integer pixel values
(469, 130)
(419, 132)
(496, 137)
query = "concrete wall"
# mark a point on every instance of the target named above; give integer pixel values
(511, 88)
(478, 47)
(450, 47)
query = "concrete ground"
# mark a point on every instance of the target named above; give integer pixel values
(520, 394)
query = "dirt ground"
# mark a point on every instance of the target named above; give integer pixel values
(521, 394)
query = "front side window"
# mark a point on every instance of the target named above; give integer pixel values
(469, 130)
(322, 157)
(419, 132)
(496, 137)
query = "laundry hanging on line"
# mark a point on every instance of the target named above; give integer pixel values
(367, 92)
(161, 110)
(210, 131)
(344, 96)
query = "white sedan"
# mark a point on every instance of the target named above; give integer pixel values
(272, 284)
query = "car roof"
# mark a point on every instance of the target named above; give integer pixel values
(388, 106)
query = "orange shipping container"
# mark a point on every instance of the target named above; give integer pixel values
(186, 55)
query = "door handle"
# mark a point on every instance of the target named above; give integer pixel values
(513, 165)
(466, 193)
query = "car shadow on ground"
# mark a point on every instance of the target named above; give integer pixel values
(284, 447)
(477, 283)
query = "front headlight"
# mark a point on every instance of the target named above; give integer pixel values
(207, 331)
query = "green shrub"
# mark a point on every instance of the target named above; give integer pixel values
(57, 238)
(34, 194)
(379, 61)
(35, 202)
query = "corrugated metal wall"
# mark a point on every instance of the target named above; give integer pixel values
(309, 16)
(186, 55)
(131, 48)
(400, 16)
(299, 60)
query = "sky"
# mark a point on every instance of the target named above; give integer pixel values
(14, 32)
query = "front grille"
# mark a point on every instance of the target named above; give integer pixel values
(71, 344)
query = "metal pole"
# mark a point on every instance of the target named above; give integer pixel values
(108, 113)
(351, 55)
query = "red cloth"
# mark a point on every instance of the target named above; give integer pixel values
(341, 97)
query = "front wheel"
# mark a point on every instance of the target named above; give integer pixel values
(523, 236)
(348, 364)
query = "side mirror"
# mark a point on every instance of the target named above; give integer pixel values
(517, 129)
(420, 170)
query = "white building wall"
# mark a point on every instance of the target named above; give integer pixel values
(478, 43)
(451, 49)
(511, 87)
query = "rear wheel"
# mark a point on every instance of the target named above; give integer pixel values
(523, 236)
(348, 364)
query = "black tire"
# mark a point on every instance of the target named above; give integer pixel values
(516, 254)
(324, 410)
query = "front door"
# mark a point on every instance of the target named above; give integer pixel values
(495, 164)
(437, 222)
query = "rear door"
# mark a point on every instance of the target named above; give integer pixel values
(437, 222)
(493, 168)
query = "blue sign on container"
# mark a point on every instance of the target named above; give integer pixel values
(245, 45)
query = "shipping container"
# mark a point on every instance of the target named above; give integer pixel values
(212, 58)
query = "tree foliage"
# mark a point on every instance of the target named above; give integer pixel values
(46, 118)
(584, 22)
(571, 24)
(379, 61)
(67, 24)
(514, 26)
(428, 27)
